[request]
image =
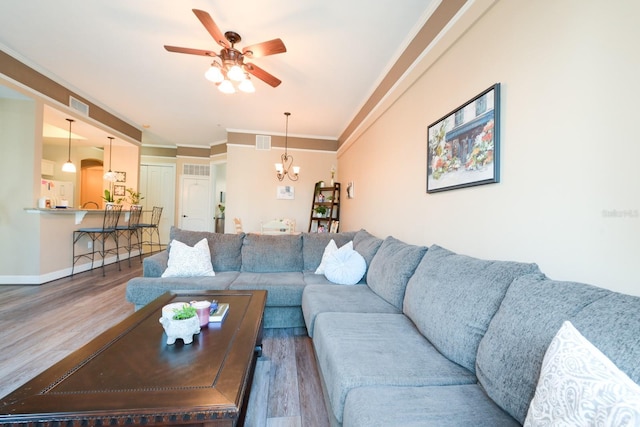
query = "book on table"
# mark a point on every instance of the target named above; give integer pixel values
(220, 313)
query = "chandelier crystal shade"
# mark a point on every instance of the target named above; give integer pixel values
(69, 166)
(285, 168)
(110, 176)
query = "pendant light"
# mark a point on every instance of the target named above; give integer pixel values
(69, 166)
(282, 169)
(110, 176)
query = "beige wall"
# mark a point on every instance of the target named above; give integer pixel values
(569, 199)
(252, 185)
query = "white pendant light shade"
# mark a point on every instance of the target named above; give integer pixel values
(214, 74)
(69, 166)
(236, 73)
(246, 86)
(226, 87)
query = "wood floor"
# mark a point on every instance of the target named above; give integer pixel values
(40, 325)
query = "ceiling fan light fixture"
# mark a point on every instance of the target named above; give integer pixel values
(226, 87)
(246, 86)
(68, 166)
(214, 74)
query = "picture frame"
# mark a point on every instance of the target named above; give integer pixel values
(334, 226)
(285, 192)
(121, 176)
(119, 190)
(463, 147)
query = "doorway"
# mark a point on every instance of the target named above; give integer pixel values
(91, 171)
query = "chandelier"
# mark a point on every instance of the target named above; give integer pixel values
(282, 169)
(229, 72)
(68, 166)
(110, 176)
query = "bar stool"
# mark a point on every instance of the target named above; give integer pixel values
(152, 227)
(132, 229)
(108, 230)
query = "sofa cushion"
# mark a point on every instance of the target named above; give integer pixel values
(345, 266)
(579, 385)
(283, 289)
(360, 349)
(224, 248)
(366, 244)
(451, 298)
(391, 268)
(189, 261)
(452, 406)
(271, 254)
(510, 353)
(142, 290)
(318, 299)
(313, 245)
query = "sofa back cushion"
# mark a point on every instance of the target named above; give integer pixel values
(313, 245)
(366, 244)
(262, 253)
(510, 354)
(225, 248)
(451, 298)
(391, 268)
(612, 324)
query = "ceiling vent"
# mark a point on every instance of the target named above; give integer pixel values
(78, 105)
(263, 142)
(196, 170)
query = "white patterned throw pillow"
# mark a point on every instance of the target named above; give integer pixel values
(580, 386)
(187, 261)
(345, 266)
(328, 250)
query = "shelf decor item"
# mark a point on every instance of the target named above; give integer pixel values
(180, 323)
(463, 146)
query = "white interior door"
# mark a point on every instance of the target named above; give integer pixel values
(195, 204)
(157, 185)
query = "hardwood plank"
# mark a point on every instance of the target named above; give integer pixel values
(259, 397)
(283, 387)
(312, 409)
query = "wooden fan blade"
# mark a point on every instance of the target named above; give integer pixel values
(190, 51)
(262, 75)
(211, 27)
(265, 48)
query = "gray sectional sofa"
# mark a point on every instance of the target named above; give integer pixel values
(429, 338)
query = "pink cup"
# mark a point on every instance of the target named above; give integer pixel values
(202, 308)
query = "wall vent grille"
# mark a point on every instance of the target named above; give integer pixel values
(196, 170)
(78, 105)
(263, 142)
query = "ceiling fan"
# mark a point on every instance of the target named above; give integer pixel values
(232, 65)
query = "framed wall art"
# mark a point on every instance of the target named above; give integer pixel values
(119, 190)
(463, 146)
(121, 176)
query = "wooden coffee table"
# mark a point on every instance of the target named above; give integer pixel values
(129, 375)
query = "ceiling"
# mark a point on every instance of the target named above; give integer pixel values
(112, 53)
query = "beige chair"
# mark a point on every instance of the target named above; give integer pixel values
(238, 224)
(279, 226)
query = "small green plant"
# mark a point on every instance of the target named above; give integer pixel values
(108, 197)
(134, 196)
(186, 312)
(320, 210)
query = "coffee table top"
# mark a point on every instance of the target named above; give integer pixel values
(129, 375)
